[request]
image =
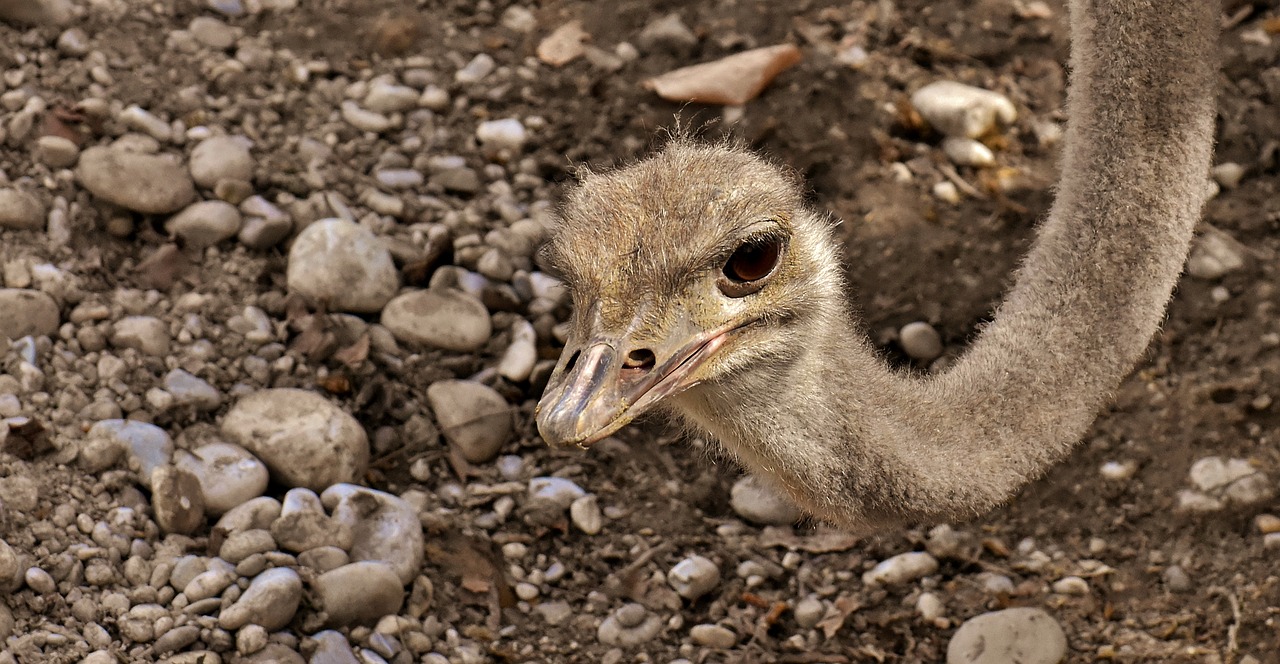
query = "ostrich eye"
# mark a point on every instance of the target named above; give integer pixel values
(745, 271)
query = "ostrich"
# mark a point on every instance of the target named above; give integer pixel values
(703, 286)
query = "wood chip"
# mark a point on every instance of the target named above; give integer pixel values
(730, 81)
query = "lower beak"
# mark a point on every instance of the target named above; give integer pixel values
(594, 392)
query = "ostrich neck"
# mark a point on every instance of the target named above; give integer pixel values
(857, 443)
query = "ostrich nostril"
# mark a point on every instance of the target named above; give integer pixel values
(640, 359)
(573, 361)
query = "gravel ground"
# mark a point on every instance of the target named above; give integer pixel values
(275, 327)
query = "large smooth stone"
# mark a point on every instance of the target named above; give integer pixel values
(228, 474)
(475, 419)
(271, 600)
(1023, 635)
(359, 593)
(27, 312)
(147, 183)
(442, 318)
(385, 527)
(343, 265)
(305, 439)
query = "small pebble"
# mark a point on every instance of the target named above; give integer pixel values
(1022, 635)
(759, 503)
(956, 109)
(901, 568)
(694, 577)
(713, 636)
(920, 341)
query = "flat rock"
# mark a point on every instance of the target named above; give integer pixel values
(733, 80)
(343, 265)
(359, 593)
(1023, 635)
(146, 183)
(442, 318)
(177, 500)
(475, 419)
(271, 600)
(27, 312)
(21, 210)
(305, 439)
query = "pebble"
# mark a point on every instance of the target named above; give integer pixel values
(240, 545)
(1214, 254)
(630, 625)
(504, 134)
(1228, 174)
(209, 583)
(473, 417)
(11, 572)
(384, 97)
(558, 492)
(1024, 635)
(520, 357)
(177, 500)
(146, 334)
(343, 265)
(1117, 471)
(21, 210)
(1071, 585)
(359, 593)
(212, 32)
(901, 568)
(920, 341)
(305, 439)
(363, 119)
(147, 445)
(332, 648)
(694, 577)
(1234, 480)
(669, 33)
(271, 600)
(441, 318)
(809, 611)
(967, 152)
(479, 67)
(252, 514)
(229, 475)
(1177, 580)
(27, 313)
(56, 152)
(1265, 523)
(930, 606)
(759, 503)
(140, 119)
(713, 636)
(189, 390)
(384, 527)
(730, 81)
(146, 183)
(205, 223)
(947, 191)
(586, 516)
(956, 109)
(265, 225)
(302, 524)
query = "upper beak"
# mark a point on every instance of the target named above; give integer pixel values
(603, 384)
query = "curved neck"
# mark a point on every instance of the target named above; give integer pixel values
(1086, 303)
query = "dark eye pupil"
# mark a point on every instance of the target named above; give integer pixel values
(752, 261)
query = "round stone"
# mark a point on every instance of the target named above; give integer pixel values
(271, 600)
(476, 420)
(21, 210)
(305, 439)
(694, 577)
(920, 341)
(221, 158)
(442, 318)
(205, 224)
(146, 334)
(359, 593)
(1024, 635)
(713, 636)
(901, 568)
(27, 312)
(229, 475)
(146, 183)
(384, 527)
(759, 503)
(343, 265)
(630, 625)
(57, 151)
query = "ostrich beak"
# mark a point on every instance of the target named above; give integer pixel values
(610, 380)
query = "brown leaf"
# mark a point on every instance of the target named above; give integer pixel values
(354, 354)
(842, 608)
(564, 45)
(730, 81)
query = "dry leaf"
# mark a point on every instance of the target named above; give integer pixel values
(731, 81)
(354, 354)
(841, 609)
(564, 45)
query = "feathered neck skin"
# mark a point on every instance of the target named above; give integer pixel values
(784, 378)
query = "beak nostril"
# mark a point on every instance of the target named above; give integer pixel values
(573, 360)
(641, 359)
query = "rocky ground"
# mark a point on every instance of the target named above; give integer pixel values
(277, 327)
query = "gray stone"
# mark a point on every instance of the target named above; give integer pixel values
(343, 265)
(332, 648)
(384, 527)
(177, 500)
(27, 312)
(475, 419)
(305, 439)
(57, 151)
(920, 341)
(442, 318)
(229, 475)
(147, 183)
(271, 600)
(712, 636)
(760, 503)
(205, 223)
(212, 32)
(303, 524)
(956, 109)
(257, 513)
(245, 543)
(901, 568)
(145, 334)
(1023, 635)
(359, 593)
(694, 577)
(147, 445)
(221, 158)
(21, 210)
(630, 625)
(384, 97)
